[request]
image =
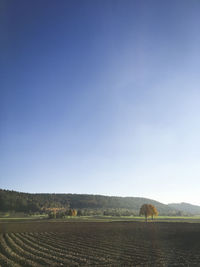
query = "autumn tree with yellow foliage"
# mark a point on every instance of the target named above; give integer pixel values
(72, 212)
(154, 211)
(148, 210)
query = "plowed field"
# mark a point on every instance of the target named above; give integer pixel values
(99, 244)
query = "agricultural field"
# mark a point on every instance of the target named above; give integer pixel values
(99, 244)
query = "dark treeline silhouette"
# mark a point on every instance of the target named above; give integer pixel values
(85, 204)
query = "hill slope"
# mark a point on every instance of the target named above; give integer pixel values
(25, 202)
(186, 208)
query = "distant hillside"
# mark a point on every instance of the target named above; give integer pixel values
(186, 208)
(25, 202)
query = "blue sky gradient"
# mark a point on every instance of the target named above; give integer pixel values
(101, 97)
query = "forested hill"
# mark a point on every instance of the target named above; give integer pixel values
(186, 208)
(25, 202)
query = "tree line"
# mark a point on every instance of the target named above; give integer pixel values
(146, 209)
(87, 204)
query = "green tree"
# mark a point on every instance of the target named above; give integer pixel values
(52, 215)
(79, 213)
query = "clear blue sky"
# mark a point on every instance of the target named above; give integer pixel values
(101, 97)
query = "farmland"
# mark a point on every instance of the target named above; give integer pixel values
(99, 244)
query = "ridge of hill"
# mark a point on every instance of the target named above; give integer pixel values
(29, 202)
